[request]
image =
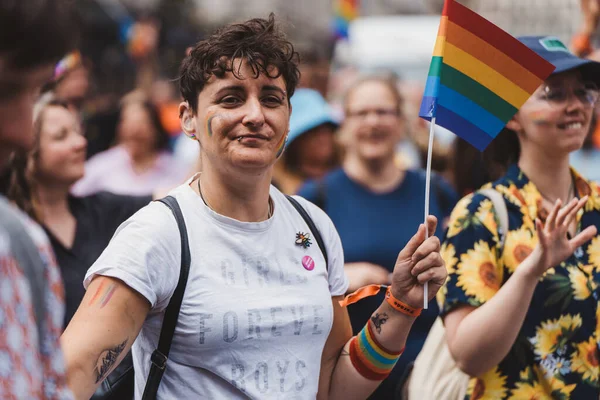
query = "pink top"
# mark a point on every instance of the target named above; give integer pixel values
(112, 171)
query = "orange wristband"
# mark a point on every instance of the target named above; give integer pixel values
(400, 306)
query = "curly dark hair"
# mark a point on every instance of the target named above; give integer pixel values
(260, 42)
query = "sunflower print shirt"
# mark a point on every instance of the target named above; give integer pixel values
(555, 355)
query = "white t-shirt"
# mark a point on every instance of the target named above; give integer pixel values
(256, 312)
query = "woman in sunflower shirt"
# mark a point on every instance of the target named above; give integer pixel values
(521, 308)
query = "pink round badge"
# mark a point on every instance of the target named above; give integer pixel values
(308, 263)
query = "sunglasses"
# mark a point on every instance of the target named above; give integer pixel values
(586, 92)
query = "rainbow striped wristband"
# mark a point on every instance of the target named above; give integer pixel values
(369, 358)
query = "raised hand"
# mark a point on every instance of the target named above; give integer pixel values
(419, 262)
(554, 246)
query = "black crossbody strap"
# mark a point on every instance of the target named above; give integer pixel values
(160, 355)
(313, 228)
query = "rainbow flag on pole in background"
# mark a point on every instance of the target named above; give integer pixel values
(479, 76)
(344, 12)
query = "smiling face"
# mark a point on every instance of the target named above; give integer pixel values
(62, 149)
(373, 123)
(240, 123)
(556, 118)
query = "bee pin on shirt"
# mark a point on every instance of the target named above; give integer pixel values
(303, 239)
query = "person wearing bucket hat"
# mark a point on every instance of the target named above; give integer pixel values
(519, 307)
(310, 149)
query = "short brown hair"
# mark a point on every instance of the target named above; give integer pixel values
(260, 42)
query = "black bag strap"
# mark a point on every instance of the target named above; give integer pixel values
(313, 228)
(30, 263)
(161, 354)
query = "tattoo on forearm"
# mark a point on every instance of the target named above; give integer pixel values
(107, 360)
(106, 295)
(378, 320)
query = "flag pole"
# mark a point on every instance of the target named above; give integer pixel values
(427, 192)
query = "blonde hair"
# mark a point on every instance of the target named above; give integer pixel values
(22, 186)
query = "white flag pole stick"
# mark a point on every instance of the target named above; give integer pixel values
(427, 192)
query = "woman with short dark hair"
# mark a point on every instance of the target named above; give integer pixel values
(260, 316)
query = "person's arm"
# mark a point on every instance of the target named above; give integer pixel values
(492, 328)
(138, 271)
(417, 263)
(364, 273)
(581, 42)
(101, 333)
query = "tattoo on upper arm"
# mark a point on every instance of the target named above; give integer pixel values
(95, 296)
(107, 294)
(107, 360)
(378, 320)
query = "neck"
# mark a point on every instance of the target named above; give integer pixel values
(379, 176)
(550, 174)
(243, 198)
(53, 202)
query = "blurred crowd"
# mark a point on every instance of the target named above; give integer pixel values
(100, 154)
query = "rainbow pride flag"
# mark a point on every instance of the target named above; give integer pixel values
(344, 12)
(479, 76)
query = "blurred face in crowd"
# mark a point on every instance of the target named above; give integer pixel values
(73, 88)
(62, 148)
(373, 126)
(241, 123)
(314, 151)
(556, 118)
(136, 131)
(18, 92)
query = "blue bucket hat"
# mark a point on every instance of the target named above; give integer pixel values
(309, 110)
(555, 52)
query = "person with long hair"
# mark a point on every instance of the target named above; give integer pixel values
(520, 306)
(79, 228)
(375, 204)
(260, 316)
(35, 35)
